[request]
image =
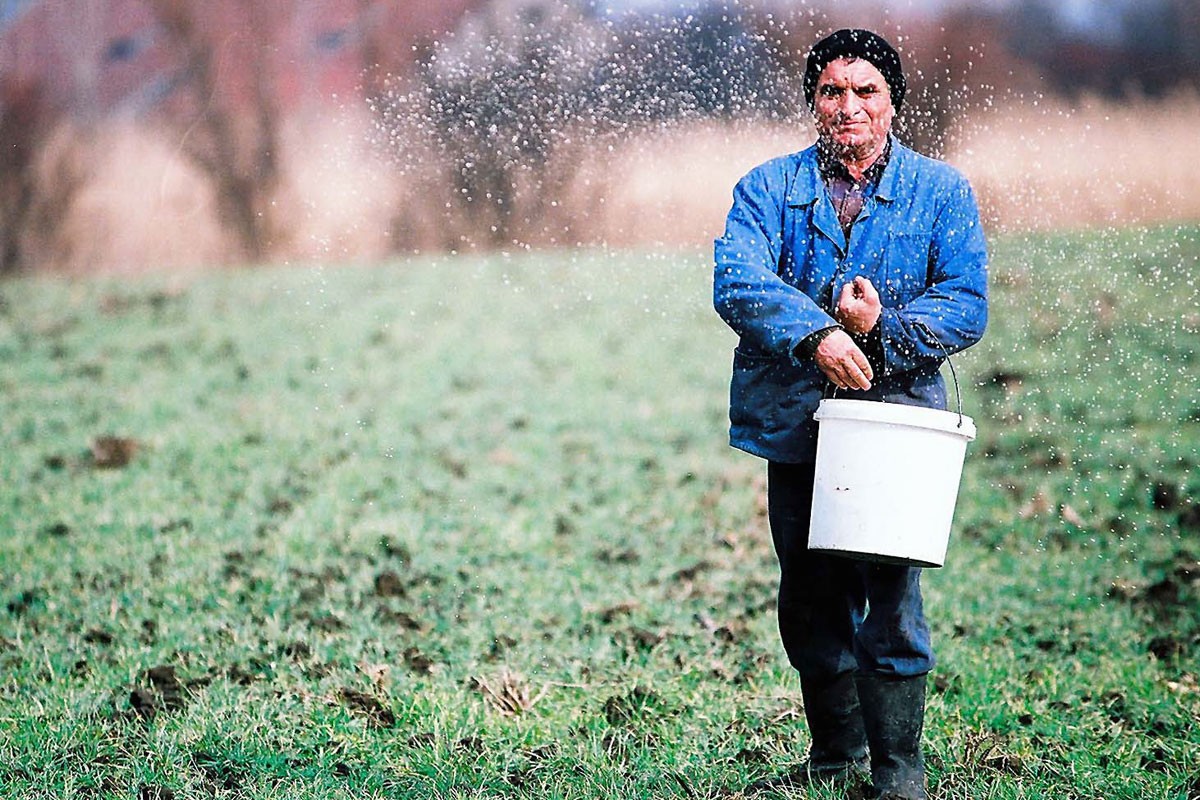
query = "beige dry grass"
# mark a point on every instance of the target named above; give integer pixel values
(1035, 165)
(339, 195)
(137, 203)
(673, 187)
(1043, 165)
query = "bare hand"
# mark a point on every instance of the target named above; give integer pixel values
(843, 362)
(858, 306)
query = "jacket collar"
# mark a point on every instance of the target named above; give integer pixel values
(885, 190)
(808, 185)
(832, 168)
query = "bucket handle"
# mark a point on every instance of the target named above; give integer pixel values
(832, 388)
(953, 374)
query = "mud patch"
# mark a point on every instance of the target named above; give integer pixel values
(640, 703)
(57, 530)
(368, 706)
(418, 661)
(160, 692)
(27, 601)
(218, 773)
(400, 619)
(113, 452)
(99, 636)
(389, 584)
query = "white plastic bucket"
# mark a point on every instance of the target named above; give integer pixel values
(887, 478)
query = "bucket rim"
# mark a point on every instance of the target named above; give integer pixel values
(897, 414)
(880, 558)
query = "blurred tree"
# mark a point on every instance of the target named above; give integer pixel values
(955, 64)
(22, 125)
(39, 175)
(232, 137)
(1152, 49)
(707, 63)
(1160, 48)
(524, 92)
(1187, 28)
(497, 104)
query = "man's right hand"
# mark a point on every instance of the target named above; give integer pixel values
(859, 306)
(843, 362)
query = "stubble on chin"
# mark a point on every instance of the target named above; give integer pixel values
(847, 151)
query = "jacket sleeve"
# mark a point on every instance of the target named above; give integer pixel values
(768, 314)
(951, 314)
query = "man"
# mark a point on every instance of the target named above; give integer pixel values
(853, 266)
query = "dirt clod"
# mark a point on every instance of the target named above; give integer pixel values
(113, 452)
(418, 662)
(366, 705)
(389, 584)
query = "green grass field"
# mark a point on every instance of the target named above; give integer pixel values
(469, 527)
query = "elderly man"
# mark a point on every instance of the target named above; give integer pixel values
(855, 266)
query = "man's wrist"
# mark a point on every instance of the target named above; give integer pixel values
(809, 344)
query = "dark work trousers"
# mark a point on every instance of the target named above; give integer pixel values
(838, 615)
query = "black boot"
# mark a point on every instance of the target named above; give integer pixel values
(894, 712)
(835, 722)
(839, 744)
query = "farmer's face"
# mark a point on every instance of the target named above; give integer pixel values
(853, 108)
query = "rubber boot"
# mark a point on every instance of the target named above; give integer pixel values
(893, 714)
(835, 722)
(839, 744)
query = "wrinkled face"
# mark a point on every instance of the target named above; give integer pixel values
(853, 108)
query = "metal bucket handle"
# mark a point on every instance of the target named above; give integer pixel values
(953, 374)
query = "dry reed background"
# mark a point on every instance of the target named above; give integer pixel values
(1046, 166)
(1036, 165)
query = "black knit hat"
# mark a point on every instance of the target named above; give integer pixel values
(855, 43)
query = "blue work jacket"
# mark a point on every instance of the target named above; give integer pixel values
(783, 261)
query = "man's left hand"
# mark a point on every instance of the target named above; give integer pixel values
(858, 306)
